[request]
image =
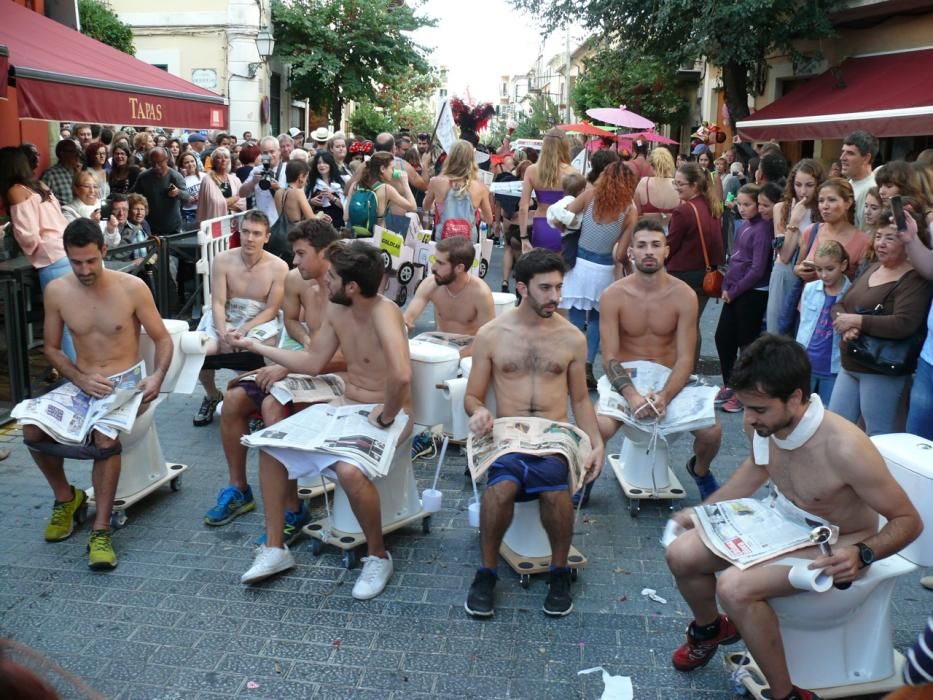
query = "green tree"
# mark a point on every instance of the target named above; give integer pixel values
(738, 36)
(99, 22)
(543, 114)
(366, 121)
(343, 50)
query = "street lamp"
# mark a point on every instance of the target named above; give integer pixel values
(265, 45)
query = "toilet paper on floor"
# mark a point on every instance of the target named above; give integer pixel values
(614, 687)
(653, 594)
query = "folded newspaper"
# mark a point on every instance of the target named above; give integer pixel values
(530, 436)
(301, 388)
(746, 531)
(301, 440)
(691, 409)
(456, 341)
(69, 415)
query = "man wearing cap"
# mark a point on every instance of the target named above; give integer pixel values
(198, 143)
(298, 136)
(319, 138)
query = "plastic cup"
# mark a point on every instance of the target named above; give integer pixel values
(473, 513)
(431, 500)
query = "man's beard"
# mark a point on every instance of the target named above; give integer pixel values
(340, 297)
(768, 432)
(647, 270)
(444, 281)
(540, 309)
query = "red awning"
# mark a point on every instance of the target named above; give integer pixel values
(62, 75)
(885, 94)
(4, 69)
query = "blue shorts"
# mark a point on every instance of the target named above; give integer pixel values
(533, 474)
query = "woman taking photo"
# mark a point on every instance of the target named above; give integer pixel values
(457, 192)
(324, 188)
(377, 172)
(543, 179)
(95, 157)
(220, 188)
(123, 172)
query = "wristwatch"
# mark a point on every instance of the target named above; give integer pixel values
(866, 554)
(386, 425)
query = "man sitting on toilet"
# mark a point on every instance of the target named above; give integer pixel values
(650, 315)
(822, 465)
(370, 331)
(104, 310)
(305, 301)
(462, 302)
(247, 286)
(535, 359)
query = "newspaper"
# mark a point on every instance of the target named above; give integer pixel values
(264, 331)
(303, 388)
(530, 436)
(340, 431)
(69, 415)
(456, 341)
(746, 531)
(691, 409)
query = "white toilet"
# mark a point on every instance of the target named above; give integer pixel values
(503, 301)
(526, 535)
(843, 638)
(645, 466)
(431, 366)
(143, 466)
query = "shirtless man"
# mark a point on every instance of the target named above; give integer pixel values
(247, 286)
(462, 302)
(370, 331)
(535, 359)
(304, 292)
(104, 311)
(826, 467)
(651, 315)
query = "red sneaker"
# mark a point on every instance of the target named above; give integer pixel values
(802, 694)
(694, 654)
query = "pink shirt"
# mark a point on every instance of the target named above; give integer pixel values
(38, 226)
(855, 248)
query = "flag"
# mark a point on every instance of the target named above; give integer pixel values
(446, 128)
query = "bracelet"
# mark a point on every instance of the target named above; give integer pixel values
(383, 425)
(525, 238)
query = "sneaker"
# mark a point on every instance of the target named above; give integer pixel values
(801, 694)
(479, 602)
(422, 445)
(65, 515)
(707, 483)
(724, 395)
(694, 653)
(268, 561)
(582, 495)
(205, 414)
(558, 601)
(255, 425)
(927, 582)
(733, 405)
(373, 578)
(101, 556)
(295, 520)
(231, 503)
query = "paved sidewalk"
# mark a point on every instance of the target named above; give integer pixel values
(173, 621)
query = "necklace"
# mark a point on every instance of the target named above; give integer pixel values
(249, 268)
(454, 296)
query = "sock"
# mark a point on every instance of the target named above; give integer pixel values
(558, 569)
(703, 632)
(493, 570)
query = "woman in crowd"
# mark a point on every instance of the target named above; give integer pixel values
(377, 172)
(337, 147)
(697, 215)
(835, 169)
(220, 188)
(655, 195)
(609, 216)
(95, 159)
(458, 193)
(769, 196)
(899, 178)
(292, 202)
(797, 212)
(175, 149)
(188, 167)
(744, 290)
(37, 222)
(325, 187)
(142, 144)
(889, 300)
(870, 218)
(543, 179)
(123, 171)
(86, 201)
(704, 158)
(836, 202)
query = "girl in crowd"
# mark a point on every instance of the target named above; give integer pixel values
(458, 189)
(898, 178)
(326, 192)
(175, 149)
(769, 196)
(797, 212)
(337, 147)
(543, 179)
(744, 290)
(836, 201)
(292, 202)
(815, 332)
(704, 158)
(95, 158)
(123, 171)
(377, 172)
(193, 180)
(870, 219)
(655, 195)
(889, 300)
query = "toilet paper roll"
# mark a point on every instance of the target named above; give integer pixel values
(455, 390)
(191, 358)
(192, 343)
(805, 579)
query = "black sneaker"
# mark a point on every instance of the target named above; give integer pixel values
(558, 602)
(480, 598)
(205, 413)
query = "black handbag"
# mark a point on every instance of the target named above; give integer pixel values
(569, 245)
(278, 243)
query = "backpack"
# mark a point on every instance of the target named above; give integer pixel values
(458, 217)
(363, 211)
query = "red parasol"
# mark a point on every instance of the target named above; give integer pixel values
(585, 128)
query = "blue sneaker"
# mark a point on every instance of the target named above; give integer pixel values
(231, 503)
(707, 484)
(422, 445)
(294, 521)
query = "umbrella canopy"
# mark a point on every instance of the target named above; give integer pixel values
(620, 116)
(585, 128)
(652, 136)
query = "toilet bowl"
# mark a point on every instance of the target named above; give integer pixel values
(503, 302)
(431, 366)
(644, 462)
(526, 535)
(841, 638)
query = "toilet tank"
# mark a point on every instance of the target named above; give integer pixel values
(503, 301)
(187, 356)
(431, 364)
(910, 459)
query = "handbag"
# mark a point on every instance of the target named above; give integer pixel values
(569, 245)
(278, 243)
(712, 280)
(894, 357)
(790, 313)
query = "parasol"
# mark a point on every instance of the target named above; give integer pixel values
(651, 136)
(620, 116)
(586, 129)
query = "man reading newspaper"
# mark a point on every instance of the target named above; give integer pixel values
(369, 330)
(827, 471)
(534, 359)
(104, 311)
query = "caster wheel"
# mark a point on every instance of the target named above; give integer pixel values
(175, 483)
(426, 525)
(402, 296)
(349, 559)
(525, 580)
(573, 574)
(406, 272)
(633, 508)
(386, 260)
(483, 268)
(117, 519)
(316, 547)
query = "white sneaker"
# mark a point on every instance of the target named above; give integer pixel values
(373, 578)
(268, 561)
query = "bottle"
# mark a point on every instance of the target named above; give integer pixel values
(483, 231)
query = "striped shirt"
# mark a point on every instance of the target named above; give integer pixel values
(919, 667)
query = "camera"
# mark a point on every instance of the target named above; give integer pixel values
(266, 176)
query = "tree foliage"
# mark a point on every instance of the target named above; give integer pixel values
(342, 50)
(542, 115)
(366, 121)
(99, 22)
(737, 35)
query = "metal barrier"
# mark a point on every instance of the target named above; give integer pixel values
(214, 237)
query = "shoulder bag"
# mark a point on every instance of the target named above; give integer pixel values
(278, 243)
(712, 280)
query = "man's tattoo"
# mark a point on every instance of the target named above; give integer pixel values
(618, 376)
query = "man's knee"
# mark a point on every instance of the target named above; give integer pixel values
(711, 435)
(33, 433)
(733, 588)
(237, 404)
(607, 427)
(272, 411)
(501, 493)
(350, 477)
(106, 445)
(687, 555)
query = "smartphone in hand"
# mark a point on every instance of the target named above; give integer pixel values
(897, 207)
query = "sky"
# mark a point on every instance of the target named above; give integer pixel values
(481, 40)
